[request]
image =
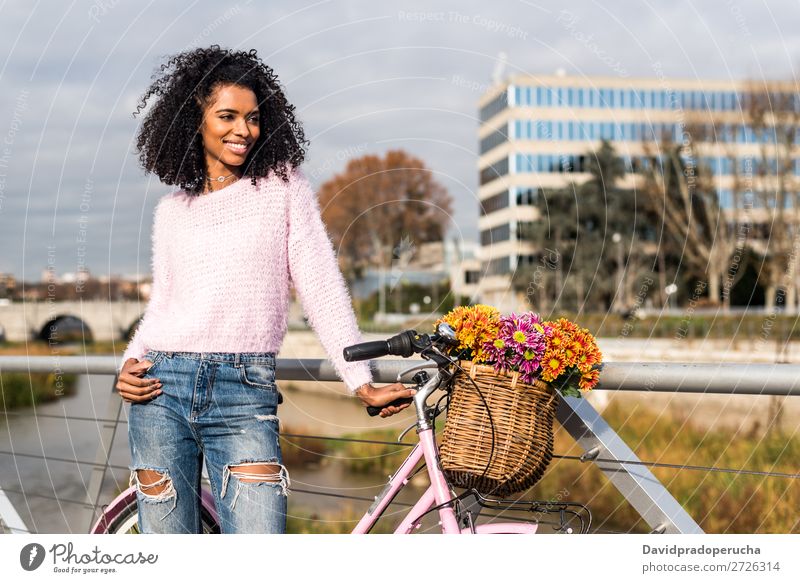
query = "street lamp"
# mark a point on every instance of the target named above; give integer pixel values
(670, 291)
(618, 297)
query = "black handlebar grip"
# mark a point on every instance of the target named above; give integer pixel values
(402, 344)
(366, 350)
(376, 410)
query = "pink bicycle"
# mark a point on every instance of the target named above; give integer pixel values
(458, 513)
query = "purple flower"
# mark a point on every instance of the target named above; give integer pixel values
(519, 345)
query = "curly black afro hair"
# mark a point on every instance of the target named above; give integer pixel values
(169, 142)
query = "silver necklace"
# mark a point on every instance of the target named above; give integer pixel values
(221, 178)
(218, 179)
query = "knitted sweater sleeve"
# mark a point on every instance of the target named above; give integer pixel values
(315, 274)
(137, 347)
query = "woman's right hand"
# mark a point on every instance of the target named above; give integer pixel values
(132, 387)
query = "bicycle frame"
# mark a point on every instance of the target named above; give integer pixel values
(438, 494)
(128, 496)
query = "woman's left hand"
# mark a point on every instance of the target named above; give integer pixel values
(381, 396)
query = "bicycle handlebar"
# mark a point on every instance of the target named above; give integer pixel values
(403, 344)
(398, 345)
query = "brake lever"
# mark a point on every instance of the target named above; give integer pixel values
(420, 366)
(406, 430)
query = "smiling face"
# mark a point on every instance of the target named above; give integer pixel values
(230, 128)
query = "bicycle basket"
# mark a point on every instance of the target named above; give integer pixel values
(522, 415)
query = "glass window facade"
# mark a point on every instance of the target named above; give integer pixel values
(493, 140)
(497, 104)
(499, 266)
(628, 98)
(560, 163)
(496, 170)
(496, 234)
(495, 203)
(588, 131)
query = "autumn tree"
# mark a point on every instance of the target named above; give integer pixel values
(380, 208)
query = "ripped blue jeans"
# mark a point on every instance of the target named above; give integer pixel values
(217, 406)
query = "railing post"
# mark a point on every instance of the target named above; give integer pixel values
(10, 520)
(634, 481)
(101, 457)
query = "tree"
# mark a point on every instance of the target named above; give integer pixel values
(680, 189)
(378, 205)
(773, 114)
(591, 238)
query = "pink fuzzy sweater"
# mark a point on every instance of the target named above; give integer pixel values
(223, 264)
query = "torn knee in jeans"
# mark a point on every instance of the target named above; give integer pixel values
(155, 485)
(258, 472)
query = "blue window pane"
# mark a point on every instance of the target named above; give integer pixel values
(638, 99)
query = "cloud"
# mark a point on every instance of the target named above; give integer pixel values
(384, 75)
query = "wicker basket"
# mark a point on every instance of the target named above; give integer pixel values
(523, 431)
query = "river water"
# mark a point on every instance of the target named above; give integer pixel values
(65, 432)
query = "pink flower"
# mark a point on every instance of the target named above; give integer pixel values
(520, 345)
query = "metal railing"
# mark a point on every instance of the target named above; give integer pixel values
(601, 444)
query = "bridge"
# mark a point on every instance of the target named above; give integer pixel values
(102, 320)
(601, 445)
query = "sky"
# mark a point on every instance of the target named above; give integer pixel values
(365, 77)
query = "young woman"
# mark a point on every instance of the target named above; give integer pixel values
(243, 226)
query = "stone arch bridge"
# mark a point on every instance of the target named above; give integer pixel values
(102, 320)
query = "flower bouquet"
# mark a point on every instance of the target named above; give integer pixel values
(557, 352)
(498, 436)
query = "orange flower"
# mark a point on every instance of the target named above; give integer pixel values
(557, 340)
(589, 380)
(567, 326)
(553, 364)
(474, 325)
